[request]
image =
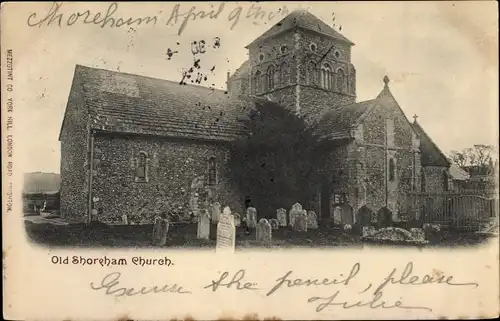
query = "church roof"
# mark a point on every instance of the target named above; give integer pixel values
(242, 71)
(127, 103)
(301, 19)
(338, 122)
(431, 155)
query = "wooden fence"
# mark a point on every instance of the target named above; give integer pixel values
(451, 209)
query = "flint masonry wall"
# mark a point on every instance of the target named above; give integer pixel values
(172, 167)
(74, 142)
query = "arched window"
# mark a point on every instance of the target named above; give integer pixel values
(326, 76)
(283, 74)
(392, 169)
(141, 168)
(340, 80)
(311, 73)
(270, 78)
(445, 181)
(212, 171)
(352, 82)
(257, 82)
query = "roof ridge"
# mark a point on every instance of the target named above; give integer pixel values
(147, 77)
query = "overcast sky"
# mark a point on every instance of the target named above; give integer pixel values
(442, 59)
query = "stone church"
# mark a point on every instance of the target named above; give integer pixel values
(133, 145)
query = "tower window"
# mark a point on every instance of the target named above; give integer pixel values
(283, 74)
(283, 49)
(257, 82)
(261, 57)
(212, 171)
(326, 76)
(270, 78)
(340, 85)
(313, 47)
(392, 170)
(141, 168)
(311, 73)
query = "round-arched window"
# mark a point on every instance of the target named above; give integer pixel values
(261, 57)
(283, 49)
(313, 47)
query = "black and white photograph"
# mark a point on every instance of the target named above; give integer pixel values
(233, 127)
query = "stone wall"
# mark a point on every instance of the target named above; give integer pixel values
(74, 142)
(172, 166)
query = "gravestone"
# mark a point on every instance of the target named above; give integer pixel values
(300, 222)
(125, 219)
(264, 233)
(296, 209)
(337, 215)
(160, 230)
(204, 225)
(215, 212)
(312, 220)
(237, 219)
(252, 217)
(281, 216)
(226, 232)
(275, 225)
(364, 216)
(347, 214)
(384, 217)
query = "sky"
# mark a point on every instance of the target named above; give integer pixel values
(441, 57)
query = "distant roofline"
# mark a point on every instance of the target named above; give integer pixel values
(147, 77)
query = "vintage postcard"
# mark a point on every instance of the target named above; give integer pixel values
(250, 160)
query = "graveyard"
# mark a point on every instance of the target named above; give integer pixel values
(220, 229)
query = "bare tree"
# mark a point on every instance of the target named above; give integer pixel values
(478, 155)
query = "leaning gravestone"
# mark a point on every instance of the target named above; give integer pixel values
(264, 233)
(275, 225)
(237, 219)
(226, 232)
(160, 231)
(296, 210)
(204, 225)
(300, 222)
(252, 217)
(364, 216)
(215, 212)
(281, 216)
(312, 220)
(384, 217)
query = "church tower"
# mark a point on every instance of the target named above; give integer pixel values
(302, 64)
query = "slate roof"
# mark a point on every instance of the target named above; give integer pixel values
(301, 18)
(431, 155)
(337, 122)
(127, 103)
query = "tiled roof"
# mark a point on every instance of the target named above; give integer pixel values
(337, 122)
(127, 103)
(301, 19)
(431, 155)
